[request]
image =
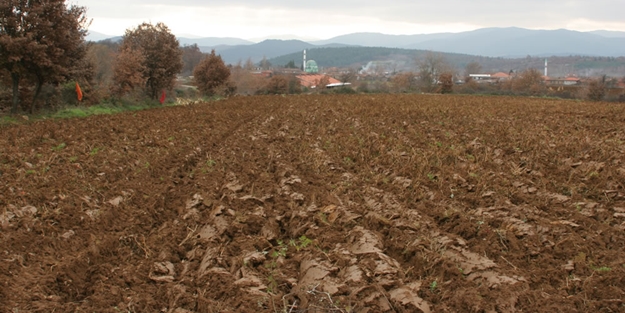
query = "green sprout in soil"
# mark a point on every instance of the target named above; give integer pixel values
(208, 166)
(433, 286)
(59, 147)
(272, 285)
(323, 217)
(281, 251)
(300, 243)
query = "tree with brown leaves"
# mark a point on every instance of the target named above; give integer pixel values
(102, 55)
(596, 89)
(404, 82)
(247, 83)
(211, 74)
(40, 41)
(161, 56)
(446, 81)
(277, 85)
(129, 71)
(529, 82)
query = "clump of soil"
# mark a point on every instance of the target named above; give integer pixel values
(382, 203)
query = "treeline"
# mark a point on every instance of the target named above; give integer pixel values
(46, 63)
(358, 57)
(433, 73)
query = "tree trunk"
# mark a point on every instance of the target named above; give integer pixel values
(37, 92)
(16, 92)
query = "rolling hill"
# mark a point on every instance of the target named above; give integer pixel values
(396, 59)
(518, 42)
(265, 49)
(508, 43)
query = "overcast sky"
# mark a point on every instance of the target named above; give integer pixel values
(323, 19)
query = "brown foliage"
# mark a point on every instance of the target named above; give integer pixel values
(246, 82)
(128, 73)
(102, 57)
(285, 84)
(447, 82)
(40, 42)
(529, 82)
(277, 85)
(404, 82)
(210, 74)
(596, 90)
(161, 56)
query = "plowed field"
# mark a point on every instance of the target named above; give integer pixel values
(367, 203)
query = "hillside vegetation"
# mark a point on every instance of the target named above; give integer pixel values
(360, 56)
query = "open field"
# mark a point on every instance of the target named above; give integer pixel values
(364, 203)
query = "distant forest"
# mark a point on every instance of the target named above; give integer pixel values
(406, 60)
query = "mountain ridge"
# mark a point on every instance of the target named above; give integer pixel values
(507, 42)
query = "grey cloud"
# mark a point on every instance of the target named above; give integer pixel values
(525, 13)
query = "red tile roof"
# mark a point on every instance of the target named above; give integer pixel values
(311, 80)
(500, 75)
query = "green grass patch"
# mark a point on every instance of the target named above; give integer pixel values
(100, 109)
(8, 120)
(60, 147)
(106, 108)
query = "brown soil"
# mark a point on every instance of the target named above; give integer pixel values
(368, 203)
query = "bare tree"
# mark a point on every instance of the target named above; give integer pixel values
(191, 57)
(265, 64)
(348, 76)
(246, 82)
(102, 58)
(430, 67)
(472, 68)
(596, 89)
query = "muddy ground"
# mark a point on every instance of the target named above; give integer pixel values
(364, 203)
